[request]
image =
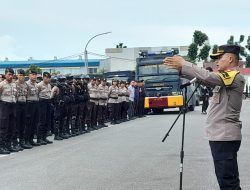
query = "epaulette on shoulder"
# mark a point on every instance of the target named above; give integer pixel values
(228, 77)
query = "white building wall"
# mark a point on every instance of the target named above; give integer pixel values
(125, 58)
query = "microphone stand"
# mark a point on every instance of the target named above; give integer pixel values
(182, 111)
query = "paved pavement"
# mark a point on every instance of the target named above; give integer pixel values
(129, 156)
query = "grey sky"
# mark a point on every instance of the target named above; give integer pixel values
(42, 29)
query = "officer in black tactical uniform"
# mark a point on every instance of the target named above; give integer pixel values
(79, 99)
(71, 108)
(59, 97)
(86, 99)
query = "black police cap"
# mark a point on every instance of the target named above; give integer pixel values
(235, 49)
(33, 72)
(47, 74)
(21, 72)
(9, 70)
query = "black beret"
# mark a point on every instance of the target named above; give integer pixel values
(21, 72)
(33, 72)
(9, 70)
(46, 74)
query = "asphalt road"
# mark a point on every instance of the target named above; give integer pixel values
(128, 156)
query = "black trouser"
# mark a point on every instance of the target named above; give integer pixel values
(74, 112)
(225, 162)
(32, 117)
(96, 115)
(51, 122)
(44, 118)
(124, 109)
(119, 111)
(84, 112)
(101, 114)
(59, 119)
(21, 120)
(141, 107)
(131, 110)
(7, 123)
(205, 103)
(113, 111)
(91, 114)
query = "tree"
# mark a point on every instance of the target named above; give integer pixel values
(215, 48)
(231, 40)
(248, 61)
(204, 52)
(199, 37)
(198, 49)
(120, 45)
(34, 68)
(192, 52)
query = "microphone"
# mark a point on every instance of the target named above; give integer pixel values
(188, 83)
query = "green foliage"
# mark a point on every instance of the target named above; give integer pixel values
(35, 68)
(120, 45)
(242, 37)
(55, 72)
(248, 61)
(231, 40)
(192, 52)
(204, 52)
(248, 43)
(199, 37)
(215, 48)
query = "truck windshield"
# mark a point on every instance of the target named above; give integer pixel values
(163, 69)
(148, 70)
(156, 69)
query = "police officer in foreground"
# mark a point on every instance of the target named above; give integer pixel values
(103, 100)
(92, 105)
(44, 89)
(223, 122)
(7, 112)
(32, 107)
(113, 102)
(22, 89)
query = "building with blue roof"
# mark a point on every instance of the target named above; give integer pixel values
(55, 66)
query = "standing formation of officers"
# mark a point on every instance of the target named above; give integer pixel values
(65, 106)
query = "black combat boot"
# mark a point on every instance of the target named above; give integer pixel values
(25, 144)
(41, 142)
(10, 147)
(3, 150)
(58, 138)
(17, 146)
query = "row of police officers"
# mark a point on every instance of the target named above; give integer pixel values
(63, 105)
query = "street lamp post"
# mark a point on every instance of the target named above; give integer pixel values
(86, 52)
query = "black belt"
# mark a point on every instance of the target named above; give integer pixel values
(19, 102)
(94, 99)
(7, 103)
(114, 97)
(45, 100)
(103, 98)
(32, 101)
